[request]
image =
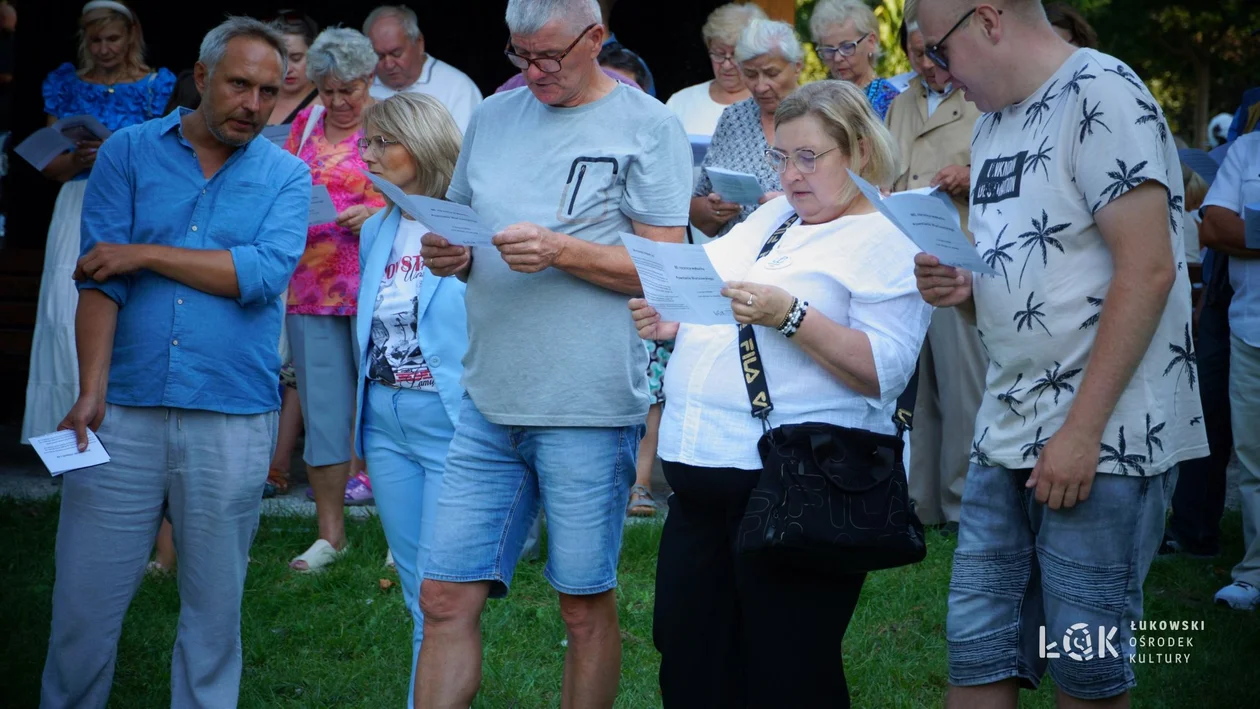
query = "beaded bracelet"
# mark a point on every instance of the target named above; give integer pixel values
(787, 317)
(796, 315)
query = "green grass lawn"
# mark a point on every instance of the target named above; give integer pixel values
(339, 640)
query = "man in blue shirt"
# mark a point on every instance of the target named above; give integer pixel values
(191, 230)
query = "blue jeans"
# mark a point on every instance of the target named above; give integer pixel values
(206, 471)
(1021, 567)
(405, 437)
(496, 479)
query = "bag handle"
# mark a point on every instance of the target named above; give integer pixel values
(754, 369)
(316, 111)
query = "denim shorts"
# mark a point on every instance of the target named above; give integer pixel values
(1030, 583)
(496, 479)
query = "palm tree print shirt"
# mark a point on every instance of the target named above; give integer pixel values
(1041, 169)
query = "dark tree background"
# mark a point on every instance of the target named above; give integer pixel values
(470, 34)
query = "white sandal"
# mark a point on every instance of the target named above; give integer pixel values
(319, 556)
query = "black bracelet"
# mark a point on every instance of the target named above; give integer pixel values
(787, 317)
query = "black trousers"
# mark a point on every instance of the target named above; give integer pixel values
(736, 630)
(1199, 499)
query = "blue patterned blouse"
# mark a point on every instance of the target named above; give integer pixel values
(881, 94)
(117, 106)
(740, 145)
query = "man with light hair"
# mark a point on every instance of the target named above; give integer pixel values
(191, 230)
(1090, 402)
(404, 66)
(555, 372)
(932, 124)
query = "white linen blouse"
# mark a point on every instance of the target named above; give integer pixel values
(856, 270)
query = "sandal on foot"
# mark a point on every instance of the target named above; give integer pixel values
(318, 557)
(359, 490)
(642, 504)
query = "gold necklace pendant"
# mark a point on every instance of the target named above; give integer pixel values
(110, 89)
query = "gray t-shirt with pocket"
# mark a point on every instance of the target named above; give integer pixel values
(548, 348)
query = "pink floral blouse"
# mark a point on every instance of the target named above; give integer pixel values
(326, 281)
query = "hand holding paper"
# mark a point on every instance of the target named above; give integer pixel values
(60, 451)
(929, 222)
(737, 187)
(47, 143)
(679, 281)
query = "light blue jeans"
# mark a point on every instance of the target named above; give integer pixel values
(206, 470)
(405, 437)
(497, 479)
(1021, 566)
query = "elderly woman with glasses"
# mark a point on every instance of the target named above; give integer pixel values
(770, 59)
(838, 324)
(700, 107)
(847, 37)
(412, 339)
(323, 293)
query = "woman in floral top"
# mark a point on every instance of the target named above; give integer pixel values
(322, 293)
(846, 33)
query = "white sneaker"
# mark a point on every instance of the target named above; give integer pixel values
(1240, 596)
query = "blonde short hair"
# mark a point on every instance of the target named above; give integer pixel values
(837, 12)
(103, 16)
(1196, 188)
(428, 132)
(727, 22)
(847, 117)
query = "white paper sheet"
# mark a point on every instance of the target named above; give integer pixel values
(322, 208)
(277, 134)
(737, 187)
(679, 281)
(455, 222)
(1251, 224)
(43, 145)
(931, 224)
(60, 451)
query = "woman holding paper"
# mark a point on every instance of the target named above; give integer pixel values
(112, 84)
(838, 328)
(323, 293)
(412, 335)
(770, 60)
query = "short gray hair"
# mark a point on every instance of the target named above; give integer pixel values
(768, 36)
(837, 12)
(529, 16)
(215, 43)
(405, 16)
(727, 22)
(342, 53)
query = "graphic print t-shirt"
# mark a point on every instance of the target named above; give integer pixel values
(1041, 170)
(395, 358)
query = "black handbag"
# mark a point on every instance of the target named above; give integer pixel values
(828, 495)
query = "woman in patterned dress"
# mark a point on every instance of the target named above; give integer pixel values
(323, 292)
(846, 35)
(113, 84)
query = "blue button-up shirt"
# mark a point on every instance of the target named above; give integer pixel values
(175, 345)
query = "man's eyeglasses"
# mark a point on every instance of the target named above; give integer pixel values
(936, 52)
(806, 160)
(376, 144)
(844, 49)
(547, 65)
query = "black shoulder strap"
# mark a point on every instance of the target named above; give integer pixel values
(755, 374)
(754, 371)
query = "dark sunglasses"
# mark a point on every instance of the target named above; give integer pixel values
(547, 65)
(936, 52)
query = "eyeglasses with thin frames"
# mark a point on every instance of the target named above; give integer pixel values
(376, 144)
(806, 160)
(721, 59)
(844, 49)
(936, 52)
(547, 65)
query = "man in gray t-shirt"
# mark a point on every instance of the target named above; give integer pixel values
(555, 371)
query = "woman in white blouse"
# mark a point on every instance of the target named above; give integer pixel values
(699, 107)
(723, 621)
